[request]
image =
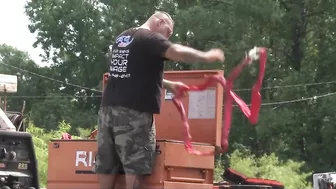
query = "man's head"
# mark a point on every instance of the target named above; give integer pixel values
(161, 22)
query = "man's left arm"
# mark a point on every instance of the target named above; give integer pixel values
(174, 86)
(167, 84)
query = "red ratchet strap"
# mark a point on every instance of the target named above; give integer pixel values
(229, 96)
(66, 136)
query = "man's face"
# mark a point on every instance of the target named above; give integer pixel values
(165, 27)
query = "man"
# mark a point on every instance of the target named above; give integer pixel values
(126, 131)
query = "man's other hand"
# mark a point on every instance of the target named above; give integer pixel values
(176, 86)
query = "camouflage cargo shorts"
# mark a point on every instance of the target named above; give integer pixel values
(126, 141)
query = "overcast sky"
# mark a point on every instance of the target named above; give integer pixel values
(14, 30)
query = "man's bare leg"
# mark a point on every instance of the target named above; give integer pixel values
(106, 181)
(133, 181)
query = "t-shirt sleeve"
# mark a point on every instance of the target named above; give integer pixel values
(156, 44)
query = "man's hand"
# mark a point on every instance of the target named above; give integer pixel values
(214, 55)
(174, 86)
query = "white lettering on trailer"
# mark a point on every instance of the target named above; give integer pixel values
(85, 158)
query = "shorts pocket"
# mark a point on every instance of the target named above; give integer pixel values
(150, 153)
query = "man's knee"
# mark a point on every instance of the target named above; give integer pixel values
(106, 181)
(134, 181)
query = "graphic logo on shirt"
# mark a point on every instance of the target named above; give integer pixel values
(124, 41)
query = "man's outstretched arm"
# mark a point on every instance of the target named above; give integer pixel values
(158, 45)
(186, 54)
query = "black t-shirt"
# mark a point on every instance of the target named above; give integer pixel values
(136, 70)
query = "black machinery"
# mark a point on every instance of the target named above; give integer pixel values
(18, 163)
